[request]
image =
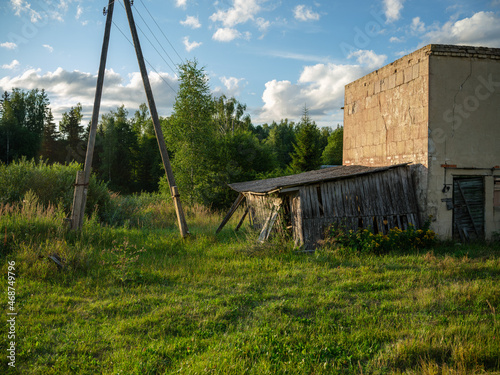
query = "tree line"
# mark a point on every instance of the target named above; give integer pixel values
(211, 141)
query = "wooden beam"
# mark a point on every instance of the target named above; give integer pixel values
(242, 219)
(79, 206)
(231, 212)
(78, 197)
(181, 219)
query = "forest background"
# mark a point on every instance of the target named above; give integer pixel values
(211, 142)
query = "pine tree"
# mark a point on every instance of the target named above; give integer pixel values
(51, 139)
(307, 149)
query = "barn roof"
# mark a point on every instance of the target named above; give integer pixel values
(322, 175)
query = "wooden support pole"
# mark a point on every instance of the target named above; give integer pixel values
(232, 210)
(156, 122)
(78, 208)
(79, 205)
(242, 219)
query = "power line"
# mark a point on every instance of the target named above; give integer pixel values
(150, 65)
(180, 58)
(151, 31)
(144, 34)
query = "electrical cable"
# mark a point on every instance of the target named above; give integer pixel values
(180, 58)
(150, 65)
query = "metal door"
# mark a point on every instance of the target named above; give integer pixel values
(468, 208)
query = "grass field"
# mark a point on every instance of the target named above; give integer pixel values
(137, 299)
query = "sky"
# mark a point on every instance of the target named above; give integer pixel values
(275, 56)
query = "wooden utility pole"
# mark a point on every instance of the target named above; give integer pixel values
(82, 180)
(156, 122)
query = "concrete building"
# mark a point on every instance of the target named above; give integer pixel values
(439, 108)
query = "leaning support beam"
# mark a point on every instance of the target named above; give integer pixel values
(78, 209)
(242, 219)
(181, 219)
(231, 212)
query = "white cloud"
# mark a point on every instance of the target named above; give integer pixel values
(8, 45)
(232, 85)
(303, 13)
(79, 12)
(181, 3)
(226, 34)
(417, 26)
(392, 9)
(482, 29)
(320, 87)
(262, 24)
(191, 22)
(241, 12)
(14, 64)
(190, 45)
(395, 39)
(368, 58)
(65, 89)
(50, 48)
(22, 6)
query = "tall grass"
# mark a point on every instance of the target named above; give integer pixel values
(51, 183)
(135, 298)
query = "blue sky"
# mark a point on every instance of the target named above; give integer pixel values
(275, 56)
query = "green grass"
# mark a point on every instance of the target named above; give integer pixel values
(140, 300)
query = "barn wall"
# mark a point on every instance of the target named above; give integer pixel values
(261, 208)
(380, 201)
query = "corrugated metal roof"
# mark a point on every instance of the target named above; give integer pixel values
(327, 174)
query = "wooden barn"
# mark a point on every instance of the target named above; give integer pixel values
(307, 203)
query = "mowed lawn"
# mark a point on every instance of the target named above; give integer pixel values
(144, 301)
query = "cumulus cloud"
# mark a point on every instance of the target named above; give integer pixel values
(8, 45)
(368, 58)
(65, 89)
(226, 34)
(232, 86)
(191, 22)
(14, 64)
(320, 87)
(190, 45)
(304, 13)
(392, 9)
(481, 29)
(241, 12)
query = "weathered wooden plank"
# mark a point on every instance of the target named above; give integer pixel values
(242, 219)
(268, 226)
(297, 219)
(232, 210)
(314, 201)
(326, 199)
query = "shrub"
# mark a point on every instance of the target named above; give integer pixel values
(364, 240)
(51, 183)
